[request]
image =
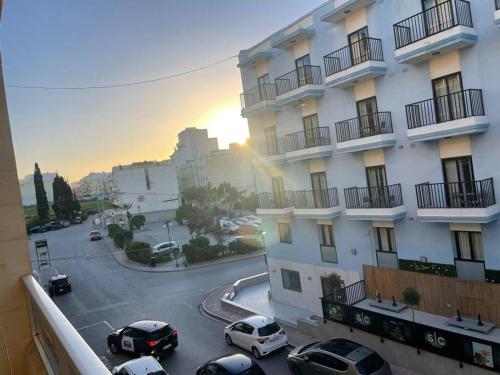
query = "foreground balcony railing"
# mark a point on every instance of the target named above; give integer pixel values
(324, 198)
(470, 194)
(260, 93)
(374, 197)
(275, 200)
(306, 75)
(356, 53)
(275, 147)
(314, 137)
(62, 349)
(455, 106)
(432, 21)
(364, 126)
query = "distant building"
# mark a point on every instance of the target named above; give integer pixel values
(193, 144)
(94, 185)
(27, 186)
(147, 186)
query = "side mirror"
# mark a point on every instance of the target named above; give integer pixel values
(305, 358)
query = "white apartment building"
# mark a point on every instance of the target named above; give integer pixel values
(94, 185)
(27, 186)
(148, 186)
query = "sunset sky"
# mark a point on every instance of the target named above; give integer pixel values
(96, 42)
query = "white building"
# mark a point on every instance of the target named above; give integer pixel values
(27, 186)
(147, 186)
(193, 144)
(94, 185)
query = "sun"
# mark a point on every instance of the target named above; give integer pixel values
(228, 126)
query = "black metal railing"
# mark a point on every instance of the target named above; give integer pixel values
(374, 197)
(497, 4)
(278, 200)
(353, 54)
(275, 146)
(350, 295)
(306, 75)
(434, 20)
(470, 194)
(257, 94)
(364, 126)
(324, 198)
(306, 139)
(444, 108)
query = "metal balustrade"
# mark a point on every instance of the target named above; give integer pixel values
(364, 126)
(353, 54)
(469, 194)
(314, 137)
(324, 198)
(275, 146)
(277, 200)
(455, 106)
(432, 21)
(257, 94)
(374, 197)
(305, 75)
(350, 295)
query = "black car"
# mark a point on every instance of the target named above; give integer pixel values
(55, 225)
(38, 229)
(231, 365)
(145, 337)
(58, 285)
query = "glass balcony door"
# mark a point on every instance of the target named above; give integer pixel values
(460, 186)
(438, 15)
(449, 97)
(368, 120)
(263, 82)
(278, 191)
(271, 141)
(304, 73)
(320, 189)
(311, 130)
(377, 186)
(358, 46)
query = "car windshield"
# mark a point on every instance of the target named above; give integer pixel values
(160, 333)
(59, 282)
(370, 364)
(269, 330)
(254, 370)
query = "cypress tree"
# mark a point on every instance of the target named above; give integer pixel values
(42, 204)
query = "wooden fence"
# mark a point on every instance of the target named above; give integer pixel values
(441, 295)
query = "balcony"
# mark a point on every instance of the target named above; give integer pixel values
(497, 13)
(450, 115)
(275, 151)
(298, 85)
(365, 132)
(279, 204)
(287, 40)
(355, 63)
(316, 204)
(375, 203)
(443, 28)
(457, 202)
(249, 59)
(310, 144)
(259, 99)
(343, 8)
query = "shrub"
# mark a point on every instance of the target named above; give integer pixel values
(138, 221)
(199, 250)
(139, 252)
(122, 238)
(200, 241)
(243, 246)
(112, 229)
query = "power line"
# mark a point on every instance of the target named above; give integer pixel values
(125, 84)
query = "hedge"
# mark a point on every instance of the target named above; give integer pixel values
(138, 221)
(112, 229)
(427, 267)
(139, 252)
(244, 246)
(199, 250)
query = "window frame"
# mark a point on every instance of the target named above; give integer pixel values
(285, 237)
(286, 270)
(332, 245)
(393, 247)
(473, 250)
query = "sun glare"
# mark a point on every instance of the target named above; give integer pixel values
(228, 126)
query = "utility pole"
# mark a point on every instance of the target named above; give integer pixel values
(227, 199)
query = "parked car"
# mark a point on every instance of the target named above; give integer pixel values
(145, 337)
(254, 219)
(53, 225)
(228, 227)
(240, 221)
(38, 229)
(165, 247)
(58, 285)
(77, 220)
(231, 365)
(65, 223)
(140, 366)
(259, 334)
(250, 228)
(336, 356)
(95, 235)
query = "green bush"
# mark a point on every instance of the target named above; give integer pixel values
(199, 250)
(200, 241)
(112, 229)
(243, 246)
(139, 252)
(138, 221)
(427, 267)
(122, 238)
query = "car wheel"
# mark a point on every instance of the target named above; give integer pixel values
(51, 293)
(229, 341)
(255, 352)
(113, 349)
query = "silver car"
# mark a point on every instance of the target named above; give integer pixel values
(337, 356)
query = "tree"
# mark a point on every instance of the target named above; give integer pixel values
(76, 203)
(42, 204)
(65, 203)
(412, 298)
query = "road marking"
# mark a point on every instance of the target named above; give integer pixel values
(94, 324)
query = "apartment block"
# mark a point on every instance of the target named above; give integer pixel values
(377, 129)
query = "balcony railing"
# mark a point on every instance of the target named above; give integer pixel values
(497, 4)
(275, 146)
(265, 91)
(306, 75)
(324, 198)
(64, 351)
(434, 20)
(374, 197)
(455, 106)
(353, 54)
(364, 126)
(470, 194)
(350, 295)
(275, 200)
(306, 139)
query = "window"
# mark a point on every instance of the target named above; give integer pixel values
(469, 246)
(386, 239)
(311, 130)
(303, 65)
(358, 45)
(449, 99)
(285, 231)
(328, 361)
(327, 245)
(269, 330)
(291, 280)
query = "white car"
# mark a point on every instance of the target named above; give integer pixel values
(258, 334)
(229, 227)
(165, 247)
(254, 219)
(140, 366)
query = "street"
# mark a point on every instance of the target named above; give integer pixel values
(106, 295)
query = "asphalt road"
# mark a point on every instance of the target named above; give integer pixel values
(106, 295)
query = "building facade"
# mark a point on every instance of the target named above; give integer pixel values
(376, 127)
(94, 185)
(27, 186)
(146, 186)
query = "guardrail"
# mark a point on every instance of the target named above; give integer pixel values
(62, 349)
(305, 75)
(257, 94)
(350, 295)
(314, 137)
(469, 194)
(432, 21)
(324, 198)
(374, 197)
(275, 146)
(455, 106)
(353, 54)
(275, 201)
(364, 126)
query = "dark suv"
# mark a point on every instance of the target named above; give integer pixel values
(145, 337)
(235, 364)
(58, 285)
